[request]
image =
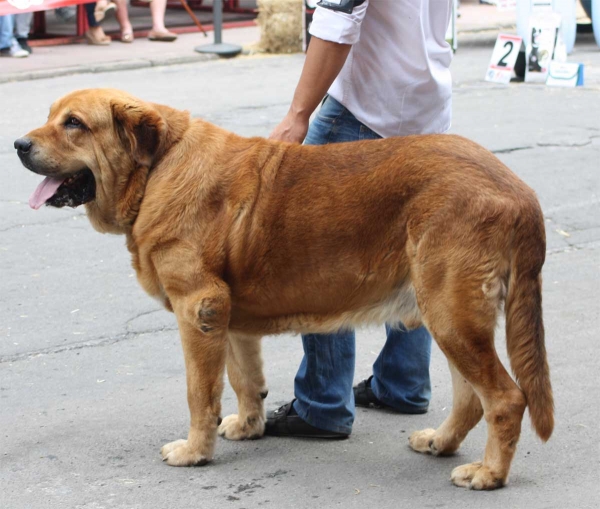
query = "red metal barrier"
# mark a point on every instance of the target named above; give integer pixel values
(46, 5)
(197, 5)
(39, 19)
(41, 38)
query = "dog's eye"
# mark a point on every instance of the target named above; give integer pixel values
(73, 122)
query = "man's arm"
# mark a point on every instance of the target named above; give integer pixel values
(324, 61)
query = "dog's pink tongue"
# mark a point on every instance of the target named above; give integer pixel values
(44, 192)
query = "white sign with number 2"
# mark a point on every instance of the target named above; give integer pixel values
(503, 59)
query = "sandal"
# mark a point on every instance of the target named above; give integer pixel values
(165, 36)
(94, 40)
(101, 10)
(127, 36)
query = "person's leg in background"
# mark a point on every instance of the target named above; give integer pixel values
(8, 44)
(400, 377)
(123, 19)
(323, 384)
(6, 31)
(102, 8)
(94, 35)
(159, 32)
(22, 27)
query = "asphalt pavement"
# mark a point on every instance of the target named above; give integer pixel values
(92, 380)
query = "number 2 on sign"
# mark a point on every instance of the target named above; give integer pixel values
(502, 62)
(503, 58)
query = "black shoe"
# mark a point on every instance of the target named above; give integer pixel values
(24, 44)
(365, 397)
(285, 422)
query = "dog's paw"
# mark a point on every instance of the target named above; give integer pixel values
(475, 476)
(233, 428)
(422, 441)
(179, 454)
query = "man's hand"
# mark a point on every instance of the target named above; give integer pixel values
(292, 129)
(324, 61)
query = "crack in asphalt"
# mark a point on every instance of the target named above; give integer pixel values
(130, 335)
(93, 343)
(46, 223)
(511, 149)
(569, 248)
(139, 315)
(547, 145)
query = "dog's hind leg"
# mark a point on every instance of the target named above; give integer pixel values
(245, 371)
(459, 302)
(503, 407)
(468, 343)
(466, 413)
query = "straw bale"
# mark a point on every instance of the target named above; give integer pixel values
(280, 23)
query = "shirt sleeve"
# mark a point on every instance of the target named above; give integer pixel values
(338, 26)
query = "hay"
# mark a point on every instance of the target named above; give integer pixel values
(280, 23)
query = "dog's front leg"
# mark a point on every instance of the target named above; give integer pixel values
(203, 318)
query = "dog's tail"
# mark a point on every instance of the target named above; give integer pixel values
(524, 324)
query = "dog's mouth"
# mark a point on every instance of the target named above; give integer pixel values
(70, 191)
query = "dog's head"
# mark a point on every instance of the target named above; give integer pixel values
(97, 148)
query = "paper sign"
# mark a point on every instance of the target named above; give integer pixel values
(539, 48)
(563, 74)
(503, 59)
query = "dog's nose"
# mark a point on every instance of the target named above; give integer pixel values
(23, 145)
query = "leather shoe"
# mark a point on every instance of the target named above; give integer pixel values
(365, 397)
(285, 422)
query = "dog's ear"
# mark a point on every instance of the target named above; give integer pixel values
(142, 127)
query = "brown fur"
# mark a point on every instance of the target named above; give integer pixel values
(246, 237)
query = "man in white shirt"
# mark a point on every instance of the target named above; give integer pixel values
(383, 68)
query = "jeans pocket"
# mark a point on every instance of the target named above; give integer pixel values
(331, 110)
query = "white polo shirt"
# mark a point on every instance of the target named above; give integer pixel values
(396, 79)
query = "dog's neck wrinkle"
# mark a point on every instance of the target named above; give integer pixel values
(178, 123)
(131, 197)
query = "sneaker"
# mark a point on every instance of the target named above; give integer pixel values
(285, 422)
(24, 44)
(14, 51)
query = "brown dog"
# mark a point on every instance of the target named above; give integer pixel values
(246, 237)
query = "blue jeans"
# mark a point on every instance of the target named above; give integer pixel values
(7, 26)
(89, 12)
(23, 24)
(323, 384)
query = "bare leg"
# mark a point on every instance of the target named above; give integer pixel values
(157, 9)
(244, 367)
(123, 17)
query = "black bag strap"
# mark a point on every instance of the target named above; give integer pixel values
(340, 5)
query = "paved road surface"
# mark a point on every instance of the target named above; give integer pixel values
(91, 372)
